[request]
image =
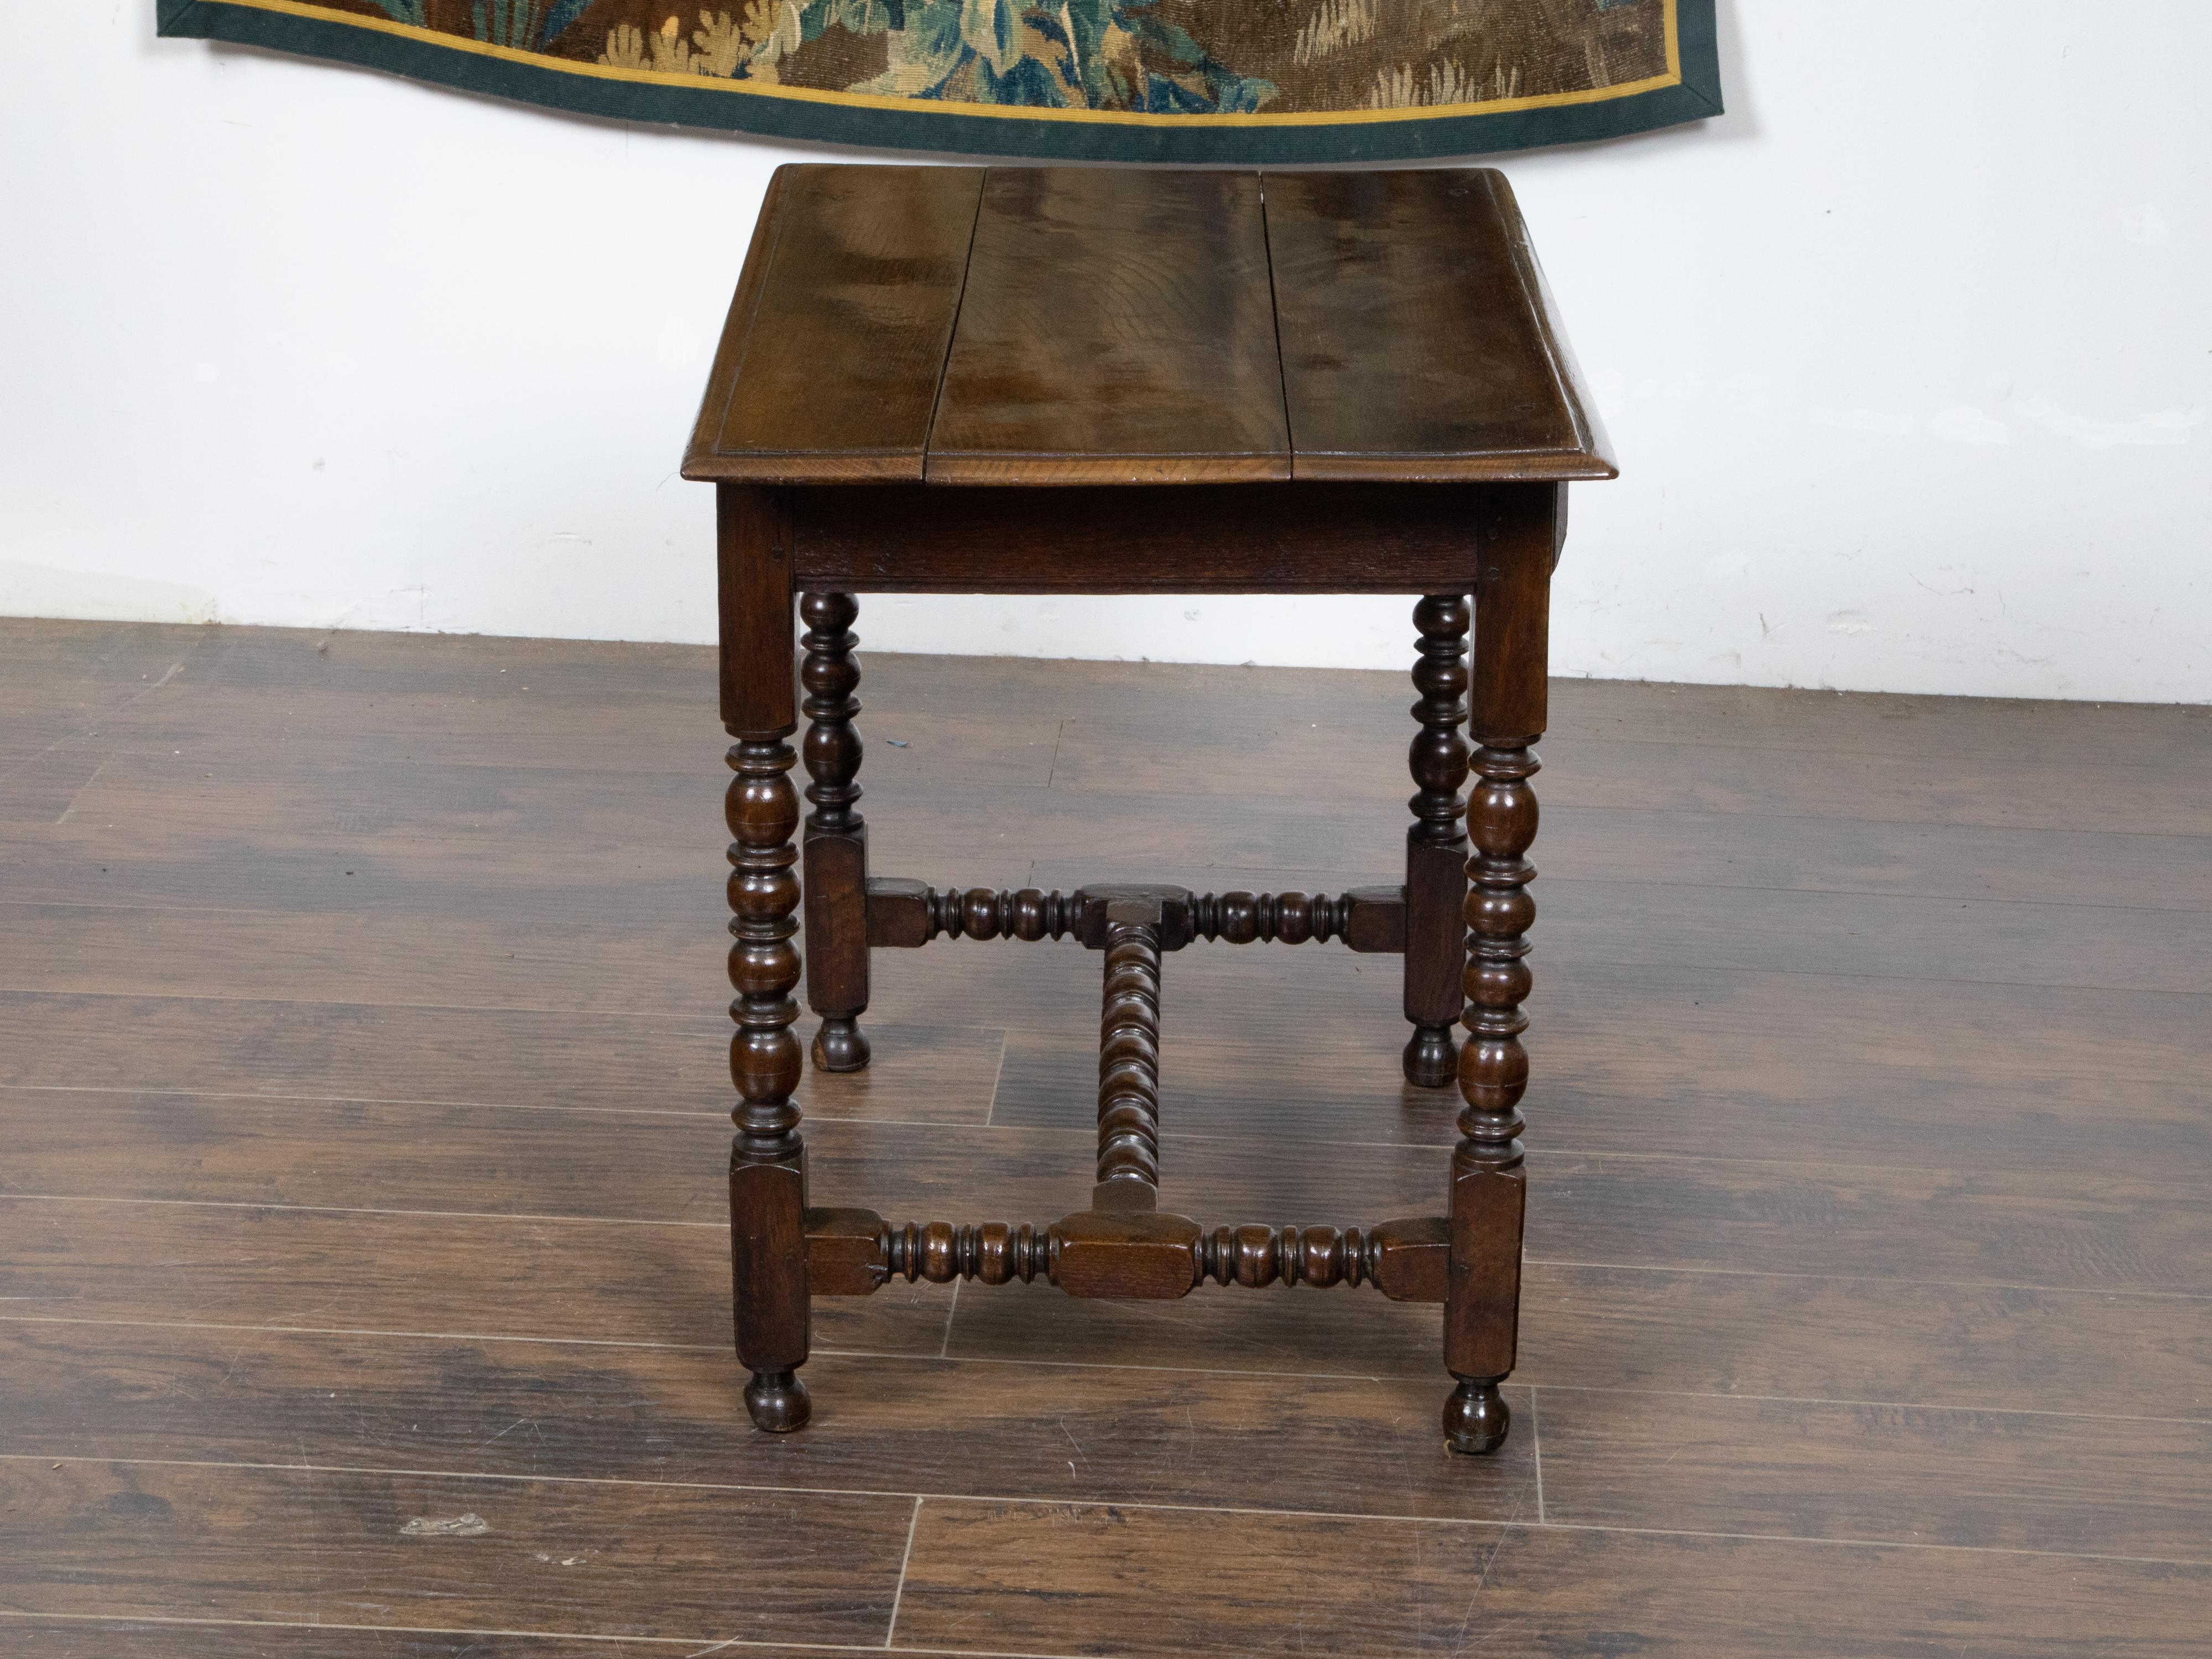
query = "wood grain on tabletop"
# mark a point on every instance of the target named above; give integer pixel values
(1117, 327)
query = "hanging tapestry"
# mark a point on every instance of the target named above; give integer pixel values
(1242, 80)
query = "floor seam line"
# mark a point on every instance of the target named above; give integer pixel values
(1536, 1445)
(898, 1593)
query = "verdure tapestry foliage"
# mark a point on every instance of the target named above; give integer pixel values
(1353, 64)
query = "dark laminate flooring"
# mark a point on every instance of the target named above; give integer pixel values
(362, 1264)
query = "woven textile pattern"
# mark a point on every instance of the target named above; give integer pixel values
(1225, 80)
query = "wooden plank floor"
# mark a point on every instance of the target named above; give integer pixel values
(364, 1099)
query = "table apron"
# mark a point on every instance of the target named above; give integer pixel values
(1163, 539)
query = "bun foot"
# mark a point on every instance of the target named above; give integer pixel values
(1431, 1061)
(1475, 1417)
(839, 1046)
(778, 1401)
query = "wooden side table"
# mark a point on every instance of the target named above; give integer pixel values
(1061, 379)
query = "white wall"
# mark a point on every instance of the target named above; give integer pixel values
(1908, 359)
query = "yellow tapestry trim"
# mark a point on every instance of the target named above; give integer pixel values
(1673, 77)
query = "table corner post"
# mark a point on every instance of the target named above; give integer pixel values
(836, 836)
(1520, 529)
(767, 1171)
(1436, 843)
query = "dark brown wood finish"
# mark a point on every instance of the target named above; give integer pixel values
(1419, 339)
(1129, 1059)
(768, 1168)
(855, 1253)
(1523, 527)
(1117, 328)
(836, 842)
(1187, 538)
(857, 266)
(1436, 844)
(904, 915)
(1131, 362)
(754, 595)
(1067, 326)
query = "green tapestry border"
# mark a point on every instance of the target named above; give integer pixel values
(830, 119)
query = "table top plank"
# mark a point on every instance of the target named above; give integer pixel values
(1081, 326)
(829, 364)
(1117, 328)
(1419, 340)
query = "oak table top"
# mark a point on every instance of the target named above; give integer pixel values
(1077, 326)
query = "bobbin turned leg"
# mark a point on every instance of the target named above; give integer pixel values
(1520, 531)
(1129, 1060)
(767, 1171)
(836, 836)
(1436, 843)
